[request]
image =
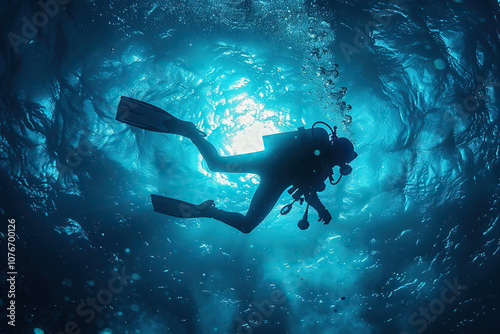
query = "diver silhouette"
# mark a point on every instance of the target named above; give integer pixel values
(301, 160)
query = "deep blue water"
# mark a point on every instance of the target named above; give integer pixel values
(418, 216)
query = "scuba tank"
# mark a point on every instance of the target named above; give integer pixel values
(292, 138)
(301, 154)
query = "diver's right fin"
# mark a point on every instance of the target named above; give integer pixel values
(177, 208)
(148, 117)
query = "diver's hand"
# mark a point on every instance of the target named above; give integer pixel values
(325, 217)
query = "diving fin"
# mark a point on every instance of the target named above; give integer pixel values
(177, 208)
(148, 117)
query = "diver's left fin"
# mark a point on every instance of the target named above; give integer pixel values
(143, 115)
(177, 208)
(149, 117)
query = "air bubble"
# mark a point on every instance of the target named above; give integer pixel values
(439, 64)
(67, 283)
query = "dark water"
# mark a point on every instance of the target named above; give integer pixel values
(414, 242)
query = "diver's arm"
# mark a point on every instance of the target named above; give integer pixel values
(313, 199)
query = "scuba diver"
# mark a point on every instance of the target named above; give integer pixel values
(300, 160)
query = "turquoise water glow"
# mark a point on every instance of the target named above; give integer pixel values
(418, 95)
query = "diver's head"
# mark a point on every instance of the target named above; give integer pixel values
(341, 150)
(343, 153)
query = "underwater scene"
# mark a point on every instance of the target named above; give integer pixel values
(250, 166)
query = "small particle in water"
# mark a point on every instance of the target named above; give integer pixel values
(136, 277)
(317, 152)
(134, 307)
(106, 331)
(343, 298)
(439, 64)
(67, 283)
(112, 49)
(119, 313)
(38, 331)
(91, 283)
(66, 298)
(127, 250)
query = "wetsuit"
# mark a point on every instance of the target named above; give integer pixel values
(301, 159)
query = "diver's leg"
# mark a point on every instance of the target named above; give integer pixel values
(244, 163)
(149, 117)
(263, 202)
